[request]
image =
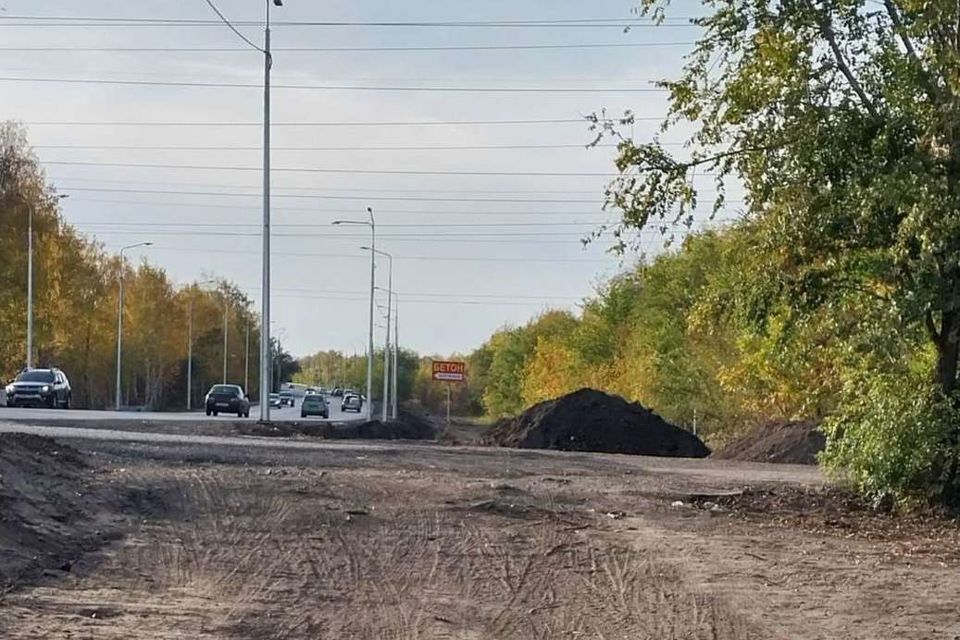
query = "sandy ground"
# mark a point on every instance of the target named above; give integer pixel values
(412, 541)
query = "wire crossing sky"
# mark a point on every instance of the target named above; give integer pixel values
(464, 126)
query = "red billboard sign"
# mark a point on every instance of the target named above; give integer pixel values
(449, 371)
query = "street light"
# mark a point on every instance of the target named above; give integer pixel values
(190, 346)
(265, 364)
(386, 351)
(120, 315)
(372, 223)
(30, 280)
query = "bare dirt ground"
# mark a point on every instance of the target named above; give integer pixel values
(413, 541)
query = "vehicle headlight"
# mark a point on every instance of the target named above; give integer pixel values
(45, 388)
(10, 389)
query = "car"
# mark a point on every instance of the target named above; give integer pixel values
(275, 400)
(311, 391)
(287, 397)
(337, 392)
(314, 405)
(351, 403)
(228, 398)
(40, 388)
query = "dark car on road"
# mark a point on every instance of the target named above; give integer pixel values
(227, 398)
(314, 405)
(288, 398)
(351, 403)
(39, 388)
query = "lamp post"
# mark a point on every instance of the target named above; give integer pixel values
(386, 350)
(190, 346)
(373, 266)
(265, 364)
(120, 316)
(396, 354)
(30, 280)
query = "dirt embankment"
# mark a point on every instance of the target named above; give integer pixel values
(50, 512)
(408, 426)
(590, 420)
(785, 442)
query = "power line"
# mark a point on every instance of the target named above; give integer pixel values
(326, 225)
(333, 87)
(366, 258)
(361, 198)
(87, 21)
(497, 147)
(516, 47)
(333, 197)
(389, 211)
(224, 20)
(403, 172)
(371, 123)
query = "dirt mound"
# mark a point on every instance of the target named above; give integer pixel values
(590, 420)
(784, 442)
(409, 426)
(48, 514)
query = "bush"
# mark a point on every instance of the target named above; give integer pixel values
(893, 436)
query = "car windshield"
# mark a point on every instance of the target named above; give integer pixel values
(36, 376)
(311, 400)
(225, 389)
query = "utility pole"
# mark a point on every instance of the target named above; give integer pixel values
(225, 309)
(29, 286)
(246, 361)
(30, 280)
(396, 355)
(372, 223)
(120, 316)
(189, 353)
(386, 348)
(265, 365)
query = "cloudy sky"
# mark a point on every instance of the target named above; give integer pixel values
(484, 243)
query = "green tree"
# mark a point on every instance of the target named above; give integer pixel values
(841, 121)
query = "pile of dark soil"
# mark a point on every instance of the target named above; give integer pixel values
(49, 515)
(590, 420)
(784, 442)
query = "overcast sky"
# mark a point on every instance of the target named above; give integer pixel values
(457, 283)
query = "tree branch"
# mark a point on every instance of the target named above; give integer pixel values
(932, 90)
(830, 36)
(931, 326)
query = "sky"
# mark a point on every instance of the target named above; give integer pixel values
(481, 238)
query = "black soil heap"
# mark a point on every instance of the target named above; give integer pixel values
(784, 442)
(590, 420)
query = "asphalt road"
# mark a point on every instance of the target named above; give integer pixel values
(284, 414)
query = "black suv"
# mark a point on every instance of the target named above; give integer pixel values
(228, 398)
(39, 388)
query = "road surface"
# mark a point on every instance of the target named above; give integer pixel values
(284, 414)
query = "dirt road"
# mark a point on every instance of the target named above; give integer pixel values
(435, 542)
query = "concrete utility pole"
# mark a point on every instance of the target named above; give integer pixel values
(265, 365)
(372, 223)
(120, 317)
(29, 286)
(189, 353)
(226, 308)
(396, 354)
(30, 280)
(246, 361)
(386, 349)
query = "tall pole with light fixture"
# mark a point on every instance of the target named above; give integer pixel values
(30, 280)
(386, 347)
(265, 364)
(396, 355)
(372, 223)
(120, 317)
